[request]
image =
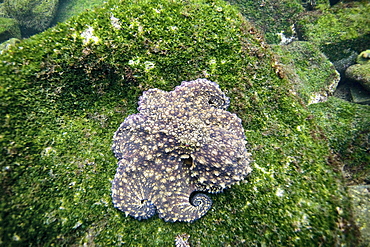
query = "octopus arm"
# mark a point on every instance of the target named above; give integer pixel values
(185, 208)
(220, 163)
(177, 202)
(132, 191)
(134, 141)
(202, 92)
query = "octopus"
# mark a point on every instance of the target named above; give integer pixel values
(180, 143)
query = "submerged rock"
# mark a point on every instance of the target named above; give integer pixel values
(360, 73)
(363, 57)
(9, 29)
(312, 74)
(33, 16)
(360, 195)
(67, 89)
(275, 18)
(338, 30)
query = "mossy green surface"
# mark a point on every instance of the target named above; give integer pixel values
(308, 69)
(361, 206)
(338, 30)
(360, 73)
(363, 57)
(64, 92)
(32, 15)
(271, 16)
(9, 29)
(7, 44)
(69, 8)
(348, 130)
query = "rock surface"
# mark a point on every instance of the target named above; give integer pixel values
(360, 73)
(33, 16)
(275, 18)
(348, 130)
(360, 195)
(314, 77)
(338, 30)
(9, 29)
(363, 57)
(66, 90)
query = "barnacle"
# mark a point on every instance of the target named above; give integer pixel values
(180, 142)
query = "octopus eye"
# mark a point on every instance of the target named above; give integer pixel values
(212, 102)
(216, 102)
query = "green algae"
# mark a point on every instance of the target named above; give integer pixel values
(363, 57)
(64, 92)
(361, 199)
(69, 8)
(338, 30)
(347, 128)
(9, 29)
(271, 16)
(32, 15)
(309, 70)
(360, 73)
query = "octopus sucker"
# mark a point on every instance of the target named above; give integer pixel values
(180, 142)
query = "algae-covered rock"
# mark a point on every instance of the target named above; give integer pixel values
(9, 29)
(274, 17)
(2, 10)
(8, 44)
(360, 195)
(339, 30)
(363, 57)
(360, 73)
(69, 8)
(33, 15)
(65, 91)
(347, 127)
(309, 70)
(358, 94)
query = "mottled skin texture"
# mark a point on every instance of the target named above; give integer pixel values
(180, 142)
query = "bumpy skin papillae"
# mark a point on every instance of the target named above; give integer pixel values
(220, 163)
(174, 202)
(140, 191)
(133, 191)
(187, 140)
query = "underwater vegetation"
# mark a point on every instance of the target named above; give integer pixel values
(32, 15)
(65, 91)
(338, 30)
